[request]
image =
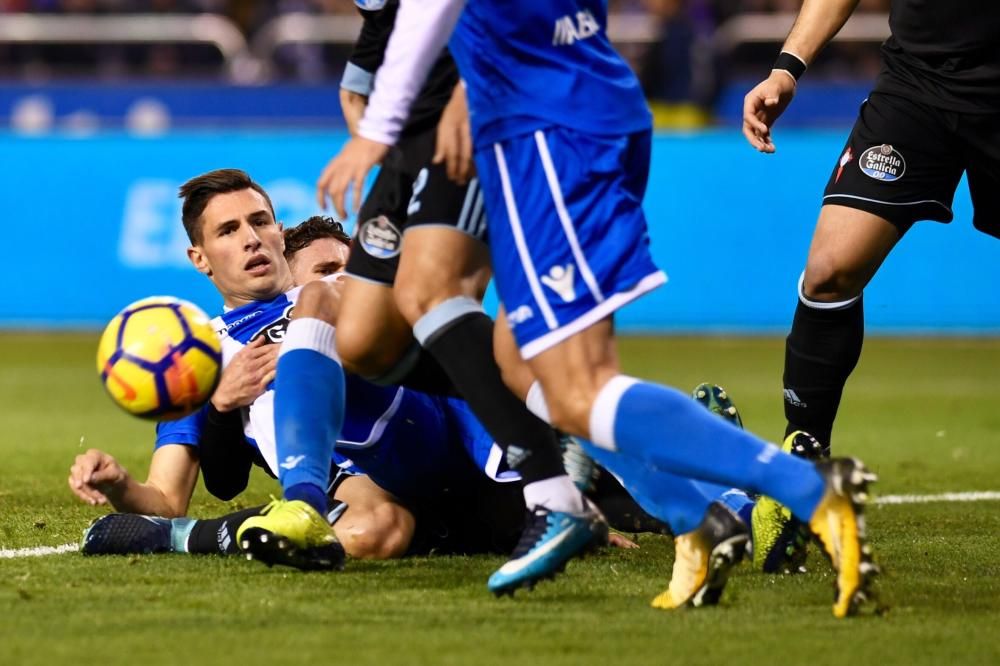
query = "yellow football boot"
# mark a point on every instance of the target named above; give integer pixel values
(292, 533)
(703, 559)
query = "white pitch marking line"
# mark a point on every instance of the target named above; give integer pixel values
(976, 496)
(6, 554)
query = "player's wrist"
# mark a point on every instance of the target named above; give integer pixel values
(789, 64)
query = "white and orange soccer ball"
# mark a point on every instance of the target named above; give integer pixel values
(160, 358)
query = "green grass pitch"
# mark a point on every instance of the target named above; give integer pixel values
(923, 414)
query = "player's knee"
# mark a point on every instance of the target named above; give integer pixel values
(382, 533)
(360, 351)
(318, 300)
(827, 280)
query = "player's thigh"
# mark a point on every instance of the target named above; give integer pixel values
(371, 333)
(981, 135)
(516, 372)
(572, 373)
(568, 237)
(439, 262)
(848, 247)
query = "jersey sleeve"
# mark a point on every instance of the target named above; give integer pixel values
(420, 34)
(359, 74)
(186, 431)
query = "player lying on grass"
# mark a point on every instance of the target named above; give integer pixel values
(418, 456)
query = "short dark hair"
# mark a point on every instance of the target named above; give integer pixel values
(198, 191)
(316, 227)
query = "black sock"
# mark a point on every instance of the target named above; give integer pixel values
(420, 371)
(464, 348)
(622, 511)
(218, 535)
(820, 353)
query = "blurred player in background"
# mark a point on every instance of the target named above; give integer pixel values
(562, 146)
(932, 116)
(419, 264)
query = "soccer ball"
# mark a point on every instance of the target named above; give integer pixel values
(160, 358)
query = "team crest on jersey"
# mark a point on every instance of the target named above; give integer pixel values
(380, 238)
(275, 331)
(883, 163)
(845, 159)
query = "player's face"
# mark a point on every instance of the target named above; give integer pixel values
(322, 257)
(241, 248)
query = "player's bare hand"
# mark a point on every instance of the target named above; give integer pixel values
(247, 375)
(346, 173)
(95, 475)
(763, 105)
(616, 540)
(352, 105)
(454, 139)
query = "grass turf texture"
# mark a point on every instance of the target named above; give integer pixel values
(922, 413)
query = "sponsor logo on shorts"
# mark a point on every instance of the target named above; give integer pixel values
(845, 159)
(560, 280)
(519, 315)
(380, 238)
(883, 163)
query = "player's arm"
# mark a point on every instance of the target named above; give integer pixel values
(97, 478)
(816, 24)
(366, 56)
(420, 34)
(224, 455)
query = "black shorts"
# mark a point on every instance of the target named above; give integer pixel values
(904, 159)
(410, 191)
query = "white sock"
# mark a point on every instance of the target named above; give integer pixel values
(557, 493)
(605, 409)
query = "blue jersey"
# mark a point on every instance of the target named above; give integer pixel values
(528, 65)
(407, 442)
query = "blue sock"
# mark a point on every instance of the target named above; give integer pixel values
(679, 502)
(739, 503)
(668, 430)
(180, 530)
(308, 410)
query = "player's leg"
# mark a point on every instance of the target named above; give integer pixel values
(308, 416)
(374, 525)
(900, 165)
(443, 273)
(565, 279)
(981, 138)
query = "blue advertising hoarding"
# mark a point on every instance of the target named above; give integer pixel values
(94, 222)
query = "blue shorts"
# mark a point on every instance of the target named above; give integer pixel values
(568, 237)
(429, 444)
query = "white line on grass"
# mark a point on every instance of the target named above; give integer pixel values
(978, 496)
(981, 496)
(6, 554)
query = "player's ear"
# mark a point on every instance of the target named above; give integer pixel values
(198, 259)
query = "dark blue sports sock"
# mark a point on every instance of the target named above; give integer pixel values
(668, 430)
(308, 410)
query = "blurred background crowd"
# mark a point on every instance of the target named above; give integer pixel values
(692, 56)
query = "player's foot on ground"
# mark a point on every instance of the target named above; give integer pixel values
(780, 540)
(716, 400)
(126, 534)
(839, 525)
(291, 533)
(703, 560)
(550, 540)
